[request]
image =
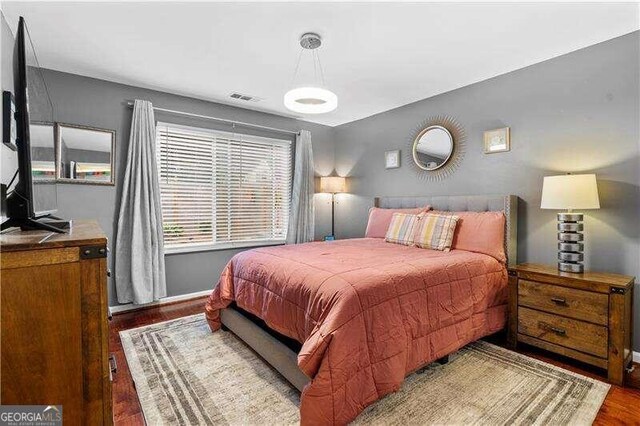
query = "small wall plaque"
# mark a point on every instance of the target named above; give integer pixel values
(497, 140)
(392, 159)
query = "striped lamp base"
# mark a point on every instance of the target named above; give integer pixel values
(570, 246)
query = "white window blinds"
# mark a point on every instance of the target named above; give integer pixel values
(222, 189)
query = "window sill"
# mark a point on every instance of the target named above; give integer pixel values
(222, 246)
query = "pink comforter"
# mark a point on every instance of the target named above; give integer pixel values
(367, 312)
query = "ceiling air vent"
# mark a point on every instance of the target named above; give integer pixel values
(242, 97)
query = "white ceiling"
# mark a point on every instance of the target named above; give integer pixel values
(376, 56)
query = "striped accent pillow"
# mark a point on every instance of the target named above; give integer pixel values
(435, 231)
(402, 228)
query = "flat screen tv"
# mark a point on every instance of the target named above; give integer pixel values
(33, 200)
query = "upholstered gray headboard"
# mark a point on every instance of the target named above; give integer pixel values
(475, 203)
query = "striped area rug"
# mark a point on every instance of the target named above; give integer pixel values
(184, 374)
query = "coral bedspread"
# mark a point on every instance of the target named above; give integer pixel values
(367, 312)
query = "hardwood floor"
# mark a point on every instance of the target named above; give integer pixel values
(621, 407)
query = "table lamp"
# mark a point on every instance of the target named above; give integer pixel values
(332, 185)
(570, 192)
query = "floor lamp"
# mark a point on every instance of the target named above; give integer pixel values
(332, 185)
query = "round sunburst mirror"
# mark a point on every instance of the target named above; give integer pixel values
(432, 148)
(436, 147)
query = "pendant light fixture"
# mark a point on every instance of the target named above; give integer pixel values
(311, 99)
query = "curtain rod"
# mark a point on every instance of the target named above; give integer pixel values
(224, 120)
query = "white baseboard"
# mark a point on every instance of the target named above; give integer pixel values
(636, 357)
(171, 299)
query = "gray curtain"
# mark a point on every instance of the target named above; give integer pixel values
(139, 254)
(301, 226)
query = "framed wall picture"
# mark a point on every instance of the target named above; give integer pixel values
(392, 159)
(497, 140)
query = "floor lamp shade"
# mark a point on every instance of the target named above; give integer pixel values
(333, 185)
(570, 192)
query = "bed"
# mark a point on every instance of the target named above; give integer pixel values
(346, 321)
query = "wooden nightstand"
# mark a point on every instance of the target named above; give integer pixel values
(588, 317)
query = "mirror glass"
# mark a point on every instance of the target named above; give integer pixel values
(43, 167)
(85, 154)
(432, 148)
(43, 154)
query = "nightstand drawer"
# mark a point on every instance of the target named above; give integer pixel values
(569, 302)
(573, 334)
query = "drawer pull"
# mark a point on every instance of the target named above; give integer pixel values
(558, 331)
(559, 300)
(113, 365)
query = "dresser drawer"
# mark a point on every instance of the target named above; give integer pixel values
(573, 334)
(569, 302)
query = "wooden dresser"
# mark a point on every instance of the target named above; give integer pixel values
(53, 290)
(586, 316)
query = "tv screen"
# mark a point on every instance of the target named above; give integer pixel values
(41, 134)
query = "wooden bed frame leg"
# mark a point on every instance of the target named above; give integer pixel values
(444, 360)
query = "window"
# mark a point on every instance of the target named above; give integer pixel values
(221, 189)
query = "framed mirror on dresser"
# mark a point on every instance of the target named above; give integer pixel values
(86, 155)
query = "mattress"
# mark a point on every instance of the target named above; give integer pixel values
(366, 312)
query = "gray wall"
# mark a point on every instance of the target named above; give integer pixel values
(575, 113)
